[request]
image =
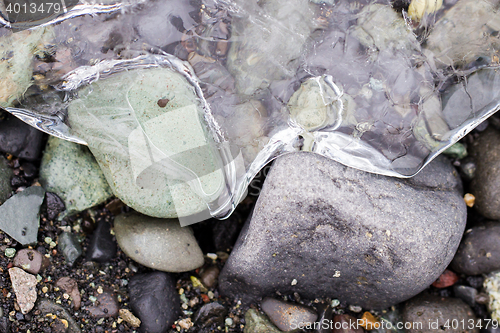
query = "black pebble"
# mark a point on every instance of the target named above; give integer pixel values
(54, 205)
(211, 313)
(102, 247)
(154, 300)
(20, 139)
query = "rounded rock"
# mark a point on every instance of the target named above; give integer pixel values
(286, 315)
(31, 261)
(161, 244)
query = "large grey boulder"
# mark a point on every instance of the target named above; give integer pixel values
(325, 230)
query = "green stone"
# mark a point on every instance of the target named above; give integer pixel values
(19, 215)
(69, 247)
(257, 322)
(457, 151)
(70, 171)
(158, 158)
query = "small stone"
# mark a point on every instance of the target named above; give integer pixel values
(369, 322)
(479, 251)
(69, 170)
(286, 315)
(355, 308)
(171, 248)
(54, 205)
(22, 224)
(102, 246)
(70, 247)
(457, 151)
(10, 252)
(186, 323)
(445, 280)
(70, 286)
(115, 206)
(469, 200)
(257, 322)
(209, 276)
(229, 322)
(343, 323)
(425, 309)
(48, 307)
(129, 317)
(154, 299)
(466, 294)
(31, 261)
(24, 285)
(211, 313)
(106, 305)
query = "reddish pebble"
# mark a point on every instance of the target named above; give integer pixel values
(205, 298)
(447, 279)
(10, 265)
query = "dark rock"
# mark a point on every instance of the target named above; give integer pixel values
(22, 224)
(54, 205)
(479, 251)
(20, 139)
(31, 261)
(115, 206)
(69, 286)
(70, 247)
(210, 276)
(344, 323)
(45, 306)
(257, 322)
(4, 325)
(5, 175)
(29, 170)
(211, 313)
(466, 294)
(105, 306)
(341, 233)
(225, 232)
(485, 186)
(17, 181)
(430, 309)
(154, 300)
(288, 316)
(102, 246)
(325, 316)
(475, 281)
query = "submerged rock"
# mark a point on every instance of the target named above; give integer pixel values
(341, 233)
(158, 158)
(70, 171)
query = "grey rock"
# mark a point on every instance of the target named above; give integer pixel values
(70, 247)
(288, 316)
(70, 171)
(344, 233)
(257, 322)
(46, 306)
(160, 244)
(479, 251)
(209, 276)
(466, 294)
(31, 261)
(425, 310)
(22, 224)
(5, 174)
(208, 314)
(154, 300)
(24, 285)
(485, 186)
(105, 306)
(54, 205)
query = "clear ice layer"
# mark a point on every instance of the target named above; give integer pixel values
(183, 102)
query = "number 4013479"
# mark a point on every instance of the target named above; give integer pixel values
(33, 8)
